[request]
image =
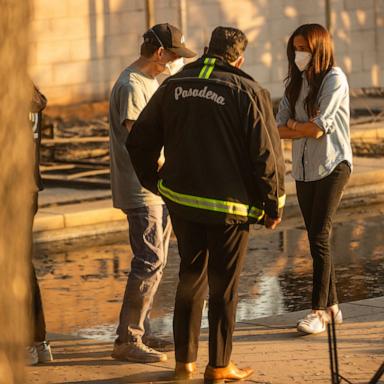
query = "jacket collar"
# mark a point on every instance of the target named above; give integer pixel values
(219, 64)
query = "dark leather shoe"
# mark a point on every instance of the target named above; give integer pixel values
(230, 372)
(184, 371)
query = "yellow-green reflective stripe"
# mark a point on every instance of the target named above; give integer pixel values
(208, 68)
(210, 204)
(205, 68)
(256, 213)
(206, 61)
(282, 201)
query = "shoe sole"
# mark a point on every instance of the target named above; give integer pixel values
(306, 332)
(136, 360)
(337, 322)
(159, 346)
(315, 333)
(181, 377)
(45, 361)
(221, 381)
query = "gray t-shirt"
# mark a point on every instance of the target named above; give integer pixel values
(129, 96)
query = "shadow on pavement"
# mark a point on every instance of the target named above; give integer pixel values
(140, 378)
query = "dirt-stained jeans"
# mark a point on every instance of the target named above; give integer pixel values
(149, 233)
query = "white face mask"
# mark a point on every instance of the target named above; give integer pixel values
(174, 66)
(302, 59)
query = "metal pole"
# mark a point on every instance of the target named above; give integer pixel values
(328, 15)
(380, 372)
(183, 17)
(376, 68)
(331, 356)
(150, 13)
(336, 361)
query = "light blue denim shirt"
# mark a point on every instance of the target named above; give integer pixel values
(314, 159)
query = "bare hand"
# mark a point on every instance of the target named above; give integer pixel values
(271, 223)
(291, 124)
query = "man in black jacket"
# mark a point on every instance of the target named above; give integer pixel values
(223, 170)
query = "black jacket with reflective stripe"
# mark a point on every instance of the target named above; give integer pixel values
(221, 144)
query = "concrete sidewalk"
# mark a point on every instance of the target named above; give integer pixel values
(67, 213)
(271, 346)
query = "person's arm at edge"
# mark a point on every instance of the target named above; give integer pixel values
(270, 159)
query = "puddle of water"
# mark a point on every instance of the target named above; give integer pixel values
(82, 289)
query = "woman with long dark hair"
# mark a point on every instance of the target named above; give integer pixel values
(314, 113)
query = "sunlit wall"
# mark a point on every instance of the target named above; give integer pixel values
(78, 47)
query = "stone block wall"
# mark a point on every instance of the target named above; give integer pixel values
(78, 47)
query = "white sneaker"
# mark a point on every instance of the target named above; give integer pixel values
(44, 352)
(31, 356)
(338, 317)
(313, 323)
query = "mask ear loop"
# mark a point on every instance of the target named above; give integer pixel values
(157, 38)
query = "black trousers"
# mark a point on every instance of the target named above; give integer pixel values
(212, 257)
(318, 202)
(37, 319)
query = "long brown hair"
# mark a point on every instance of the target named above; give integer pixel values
(320, 44)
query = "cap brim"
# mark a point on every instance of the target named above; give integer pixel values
(183, 52)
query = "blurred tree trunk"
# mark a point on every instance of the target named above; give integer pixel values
(16, 183)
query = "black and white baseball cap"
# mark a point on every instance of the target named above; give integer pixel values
(169, 37)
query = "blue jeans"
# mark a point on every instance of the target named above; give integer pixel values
(149, 233)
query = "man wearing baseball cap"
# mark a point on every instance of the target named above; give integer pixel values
(162, 51)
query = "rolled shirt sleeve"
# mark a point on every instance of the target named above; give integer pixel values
(333, 91)
(284, 112)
